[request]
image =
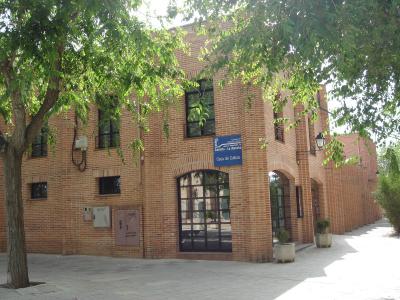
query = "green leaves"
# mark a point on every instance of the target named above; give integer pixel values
(351, 45)
(334, 152)
(388, 192)
(199, 112)
(105, 50)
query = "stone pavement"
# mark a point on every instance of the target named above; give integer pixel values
(363, 264)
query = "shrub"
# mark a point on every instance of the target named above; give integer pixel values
(388, 192)
(283, 236)
(323, 225)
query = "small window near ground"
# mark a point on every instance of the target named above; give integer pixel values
(299, 201)
(110, 185)
(39, 190)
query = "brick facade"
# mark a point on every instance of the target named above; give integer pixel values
(149, 181)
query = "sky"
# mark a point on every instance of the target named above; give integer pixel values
(151, 9)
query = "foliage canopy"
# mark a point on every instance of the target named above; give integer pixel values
(350, 45)
(56, 55)
(61, 54)
(388, 192)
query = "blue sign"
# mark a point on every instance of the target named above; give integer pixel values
(227, 150)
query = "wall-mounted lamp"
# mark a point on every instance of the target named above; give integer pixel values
(320, 141)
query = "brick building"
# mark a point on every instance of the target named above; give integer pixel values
(173, 201)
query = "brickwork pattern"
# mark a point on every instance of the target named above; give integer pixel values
(148, 181)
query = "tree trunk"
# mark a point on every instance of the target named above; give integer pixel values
(17, 269)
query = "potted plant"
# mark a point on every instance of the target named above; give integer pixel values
(283, 250)
(323, 238)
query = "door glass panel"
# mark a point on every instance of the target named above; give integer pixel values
(202, 213)
(211, 204)
(223, 191)
(198, 204)
(198, 217)
(186, 237)
(197, 178)
(225, 216)
(224, 203)
(197, 192)
(277, 200)
(185, 192)
(211, 190)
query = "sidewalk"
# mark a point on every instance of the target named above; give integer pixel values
(363, 264)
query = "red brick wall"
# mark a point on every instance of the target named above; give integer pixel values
(148, 181)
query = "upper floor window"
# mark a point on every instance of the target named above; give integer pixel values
(200, 115)
(311, 136)
(109, 185)
(39, 190)
(278, 126)
(39, 144)
(108, 131)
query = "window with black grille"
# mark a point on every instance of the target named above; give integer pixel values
(200, 115)
(204, 211)
(108, 131)
(39, 190)
(278, 126)
(39, 144)
(109, 185)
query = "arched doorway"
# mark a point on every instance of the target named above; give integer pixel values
(315, 201)
(204, 211)
(279, 189)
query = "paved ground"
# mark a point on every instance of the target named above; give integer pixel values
(364, 264)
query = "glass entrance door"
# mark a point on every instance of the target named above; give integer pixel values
(277, 203)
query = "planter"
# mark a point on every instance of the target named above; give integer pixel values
(323, 240)
(284, 252)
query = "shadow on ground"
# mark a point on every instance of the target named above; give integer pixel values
(88, 277)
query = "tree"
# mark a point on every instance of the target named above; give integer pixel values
(57, 55)
(350, 45)
(388, 192)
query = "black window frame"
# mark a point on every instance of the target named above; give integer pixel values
(210, 121)
(211, 217)
(115, 189)
(39, 190)
(39, 144)
(109, 138)
(279, 129)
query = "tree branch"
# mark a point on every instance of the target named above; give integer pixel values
(18, 108)
(50, 98)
